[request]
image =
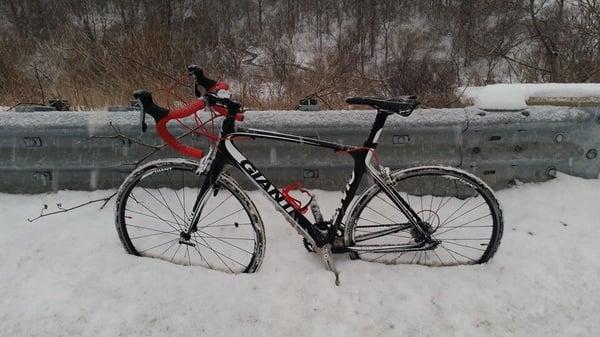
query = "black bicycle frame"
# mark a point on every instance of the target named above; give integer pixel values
(227, 152)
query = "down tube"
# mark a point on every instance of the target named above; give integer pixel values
(300, 221)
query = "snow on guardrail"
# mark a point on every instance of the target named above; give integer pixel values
(520, 96)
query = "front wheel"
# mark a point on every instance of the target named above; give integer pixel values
(455, 207)
(154, 211)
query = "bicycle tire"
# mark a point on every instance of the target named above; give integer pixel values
(142, 213)
(429, 204)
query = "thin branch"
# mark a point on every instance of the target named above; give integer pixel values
(457, 99)
(22, 103)
(145, 66)
(119, 135)
(61, 209)
(39, 81)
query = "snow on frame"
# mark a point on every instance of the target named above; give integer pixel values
(69, 276)
(515, 96)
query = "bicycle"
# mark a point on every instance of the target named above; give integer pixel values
(192, 212)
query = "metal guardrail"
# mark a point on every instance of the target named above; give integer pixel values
(49, 151)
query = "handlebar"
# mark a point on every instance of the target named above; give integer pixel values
(163, 116)
(222, 105)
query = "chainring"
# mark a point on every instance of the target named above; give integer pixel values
(322, 226)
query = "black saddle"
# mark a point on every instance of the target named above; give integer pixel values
(403, 105)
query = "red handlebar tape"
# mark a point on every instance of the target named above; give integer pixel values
(163, 132)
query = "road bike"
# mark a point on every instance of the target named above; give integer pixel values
(192, 212)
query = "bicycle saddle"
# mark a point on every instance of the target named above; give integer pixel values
(395, 104)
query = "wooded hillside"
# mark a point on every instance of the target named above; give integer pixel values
(275, 52)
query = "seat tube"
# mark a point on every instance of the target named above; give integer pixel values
(376, 129)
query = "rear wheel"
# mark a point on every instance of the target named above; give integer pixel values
(456, 208)
(154, 210)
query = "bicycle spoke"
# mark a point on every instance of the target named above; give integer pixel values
(455, 259)
(153, 234)
(214, 237)
(228, 215)
(177, 196)
(154, 197)
(397, 257)
(458, 209)
(228, 238)
(467, 212)
(463, 225)
(201, 256)
(159, 245)
(380, 214)
(461, 245)
(414, 256)
(171, 245)
(219, 254)
(152, 224)
(455, 252)
(176, 251)
(387, 202)
(215, 208)
(445, 198)
(164, 203)
(159, 217)
(436, 254)
(369, 220)
(214, 252)
(170, 224)
(380, 256)
(152, 229)
(231, 225)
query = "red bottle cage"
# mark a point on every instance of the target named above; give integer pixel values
(188, 110)
(296, 186)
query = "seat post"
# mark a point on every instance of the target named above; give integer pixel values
(376, 129)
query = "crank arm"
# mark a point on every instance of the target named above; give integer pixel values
(327, 257)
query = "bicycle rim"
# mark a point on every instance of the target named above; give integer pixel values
(154, 209)
(457, 208)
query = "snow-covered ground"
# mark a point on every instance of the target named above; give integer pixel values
(68, 275)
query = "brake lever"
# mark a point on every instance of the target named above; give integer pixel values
(143, 120)
(142, 113)
(195, 72)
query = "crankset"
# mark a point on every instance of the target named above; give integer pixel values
(322, 226)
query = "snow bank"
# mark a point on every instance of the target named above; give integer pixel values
(515, 96)
(69, 276)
